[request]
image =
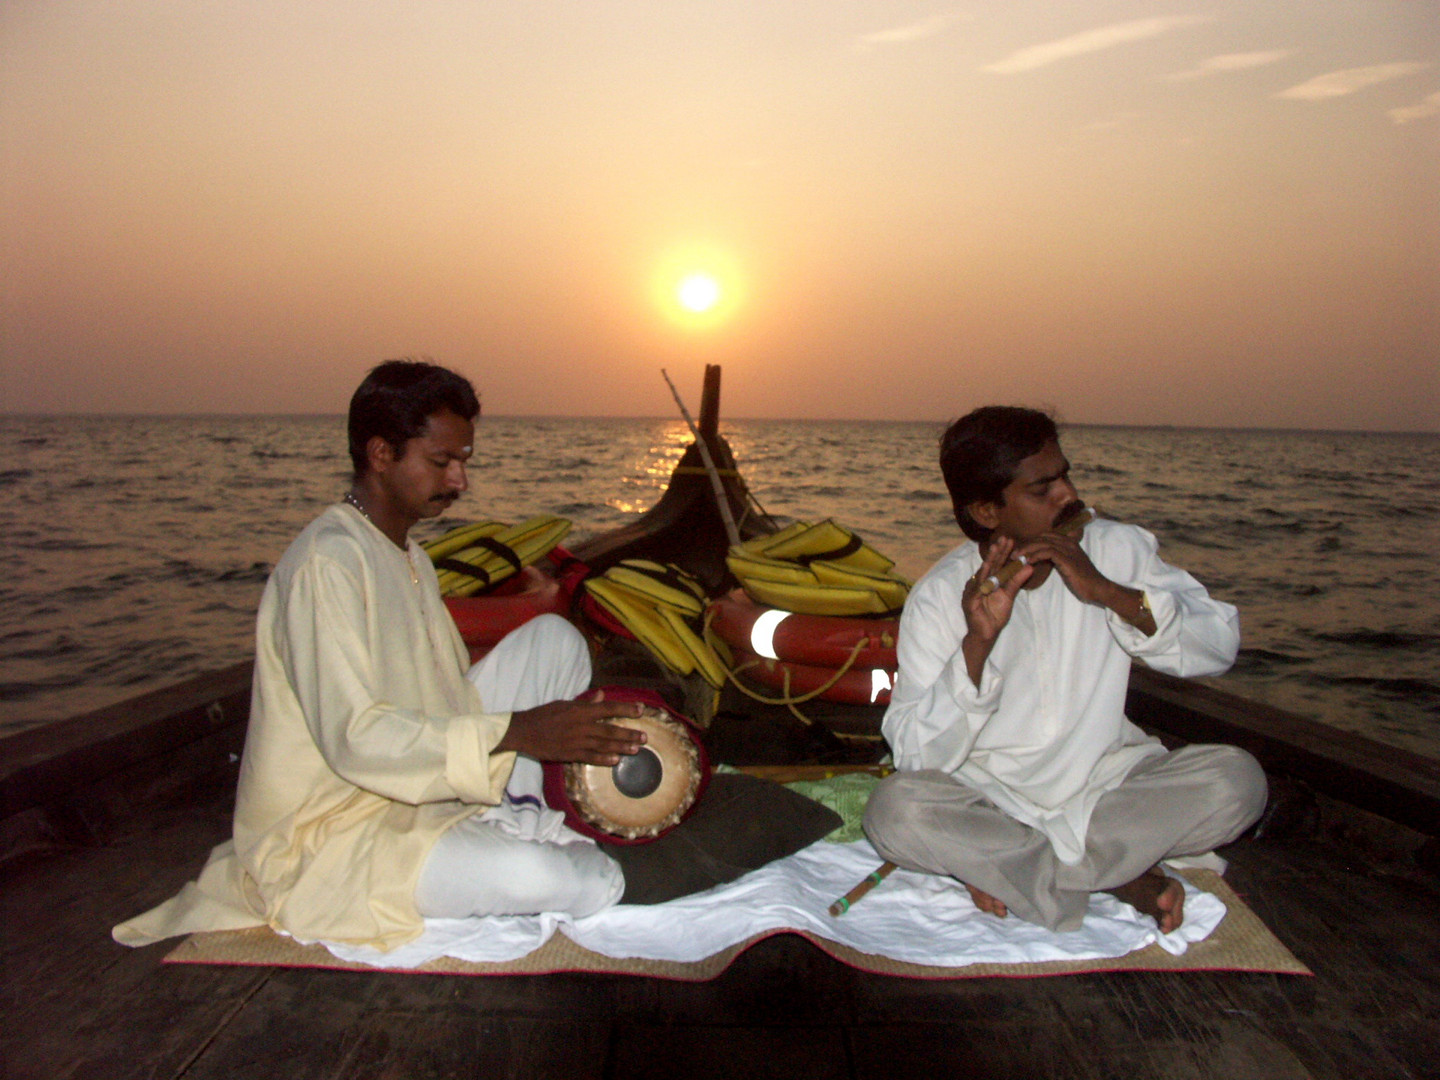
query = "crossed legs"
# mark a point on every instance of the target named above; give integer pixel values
(479, 868)
(1185, 802)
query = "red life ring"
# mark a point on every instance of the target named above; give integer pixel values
(536, 590)
(857, 686)
(822, 641)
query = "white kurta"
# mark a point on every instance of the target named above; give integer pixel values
(366, 741)
(1045, 733)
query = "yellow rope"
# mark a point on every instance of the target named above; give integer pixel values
(787, 699)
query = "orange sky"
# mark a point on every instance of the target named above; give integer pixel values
(1225, 214)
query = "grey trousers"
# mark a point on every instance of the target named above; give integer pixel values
(1186, 802)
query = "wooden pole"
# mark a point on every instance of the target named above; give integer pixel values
(722, 501)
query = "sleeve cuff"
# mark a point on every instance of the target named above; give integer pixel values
(1136, 642)
(972, 699)
(473, 770)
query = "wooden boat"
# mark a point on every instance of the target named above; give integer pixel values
(105, 814)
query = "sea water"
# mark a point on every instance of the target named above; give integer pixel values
(135, 548)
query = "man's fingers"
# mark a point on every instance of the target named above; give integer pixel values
(1015, 584)
(616, 737)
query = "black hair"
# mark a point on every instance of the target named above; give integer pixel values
(397, 399)
(980, 454)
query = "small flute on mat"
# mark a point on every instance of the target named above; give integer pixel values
(851, 898)
(1072, 524)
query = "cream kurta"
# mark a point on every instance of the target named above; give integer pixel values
(1045, 733)
(365, 742)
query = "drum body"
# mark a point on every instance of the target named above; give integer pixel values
(643, 797)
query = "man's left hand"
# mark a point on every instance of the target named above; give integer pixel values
(1085, 581)
(575, 731)
(1074, 566)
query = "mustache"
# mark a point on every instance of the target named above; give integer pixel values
(445, 498)
(1068, 512)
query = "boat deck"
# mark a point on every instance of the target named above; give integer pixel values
(78, 1005)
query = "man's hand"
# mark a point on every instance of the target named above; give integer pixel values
(1085, 581)
(986, 616)
(1075, 568)
(574, 731)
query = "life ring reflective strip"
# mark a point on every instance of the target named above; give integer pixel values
(857, 686)
(823, 641)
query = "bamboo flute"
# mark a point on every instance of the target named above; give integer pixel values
(1073, 524)
(851, 898)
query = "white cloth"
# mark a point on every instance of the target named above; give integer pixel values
(917, 918)
(365, 743)
(1045, 733)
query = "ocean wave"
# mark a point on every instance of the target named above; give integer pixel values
(1379, 639)
(1419, 691)
(259, 571)
(28, 689)
(1256, 658)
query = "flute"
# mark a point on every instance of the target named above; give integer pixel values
(879, 874)
(1071, 525)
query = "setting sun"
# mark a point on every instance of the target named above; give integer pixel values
(698, 292)
(697, 286)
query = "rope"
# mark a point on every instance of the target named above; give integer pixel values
(786, 698)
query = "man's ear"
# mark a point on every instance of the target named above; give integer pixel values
(985, 514)
(379, 453)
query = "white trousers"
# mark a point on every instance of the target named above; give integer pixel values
(496, 863)
(1186, 802)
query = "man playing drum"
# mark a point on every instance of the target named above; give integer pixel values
(1019, 774)
(381, 782)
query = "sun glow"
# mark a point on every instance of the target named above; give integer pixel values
(696, 287)
(698, 292)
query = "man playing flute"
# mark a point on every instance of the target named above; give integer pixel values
(1018, 772)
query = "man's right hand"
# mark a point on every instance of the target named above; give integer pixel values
(574, 731)
(986, 615)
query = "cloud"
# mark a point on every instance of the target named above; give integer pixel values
(1217, 65)
(1430, 106)
(902, 35)
(1339, 83)
(1104, 37)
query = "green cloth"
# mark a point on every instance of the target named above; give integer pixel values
(846, 794)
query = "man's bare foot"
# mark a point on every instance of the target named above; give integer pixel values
(1156, 894)
(985, 902)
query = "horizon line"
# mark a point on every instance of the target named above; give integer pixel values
(8, 415)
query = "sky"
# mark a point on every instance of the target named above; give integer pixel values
(1207, 213)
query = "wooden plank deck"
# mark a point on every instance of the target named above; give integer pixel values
(77, 1005)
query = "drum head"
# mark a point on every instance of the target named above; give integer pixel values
(648, 792)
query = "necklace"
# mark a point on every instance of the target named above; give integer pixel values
(405, 553)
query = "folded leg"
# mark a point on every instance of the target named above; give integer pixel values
(477, 868)
(928, 821)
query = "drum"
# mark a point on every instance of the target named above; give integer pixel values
(643, 797)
